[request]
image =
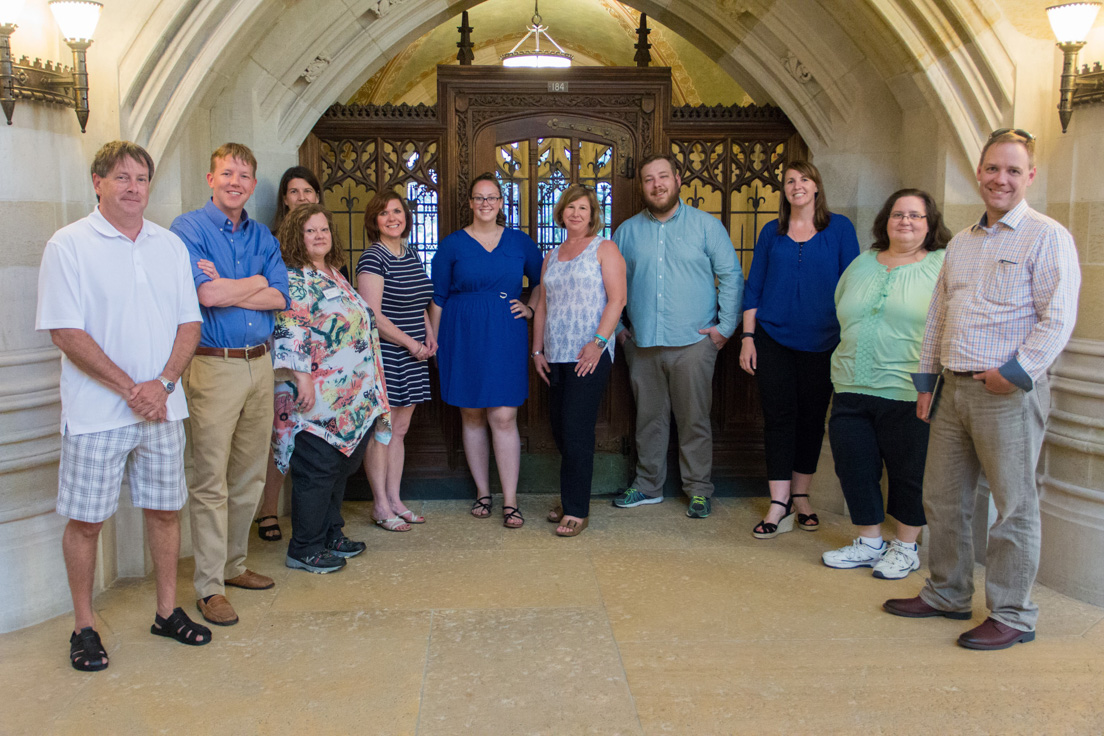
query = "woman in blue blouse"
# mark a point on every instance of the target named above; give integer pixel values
(483, 339)
(882, 303)
(790, 331)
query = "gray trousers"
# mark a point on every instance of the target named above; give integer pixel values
(677, 380)
(975, 430)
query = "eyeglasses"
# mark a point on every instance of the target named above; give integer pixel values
(479, 199)
(1017, 131)
(911, 216)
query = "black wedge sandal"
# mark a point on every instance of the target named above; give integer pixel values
(808, 522)
(766, 530)
(86, 651)
(178, 626)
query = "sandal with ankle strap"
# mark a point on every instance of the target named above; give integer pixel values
(766, 530)
(481, 509)
(178, 626)
(808, 522)
(269, 533)
(510, 514)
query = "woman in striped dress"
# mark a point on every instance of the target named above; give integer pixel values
(390, 277)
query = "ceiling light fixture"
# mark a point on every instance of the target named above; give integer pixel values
(536, 58)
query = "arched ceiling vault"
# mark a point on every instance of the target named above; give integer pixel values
(811, 57)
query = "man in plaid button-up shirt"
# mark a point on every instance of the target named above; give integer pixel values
(1002, 311)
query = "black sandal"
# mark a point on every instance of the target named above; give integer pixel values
(178, 626)
(270, 533)
(483, 506)
(766, 530)
(509, 513)
(86, 651)
(808, 522)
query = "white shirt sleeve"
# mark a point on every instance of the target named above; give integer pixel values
(59, 290)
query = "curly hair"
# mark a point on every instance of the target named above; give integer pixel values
(294, 248)
(938, 233)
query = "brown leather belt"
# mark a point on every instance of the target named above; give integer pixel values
(243, 353)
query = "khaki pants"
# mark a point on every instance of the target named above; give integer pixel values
(230, 430)
(974, 430)
(677, 380)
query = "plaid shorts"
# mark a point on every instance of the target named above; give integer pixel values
(92, 465)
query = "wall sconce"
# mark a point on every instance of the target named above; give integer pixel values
(49, 82)
(1071, 24)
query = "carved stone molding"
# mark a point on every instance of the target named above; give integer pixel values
(315, 68)
(796, 69)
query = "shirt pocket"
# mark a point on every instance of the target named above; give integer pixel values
(1005, 283)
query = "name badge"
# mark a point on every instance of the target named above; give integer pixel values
(332, 293)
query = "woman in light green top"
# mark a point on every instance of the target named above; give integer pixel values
(882, 303)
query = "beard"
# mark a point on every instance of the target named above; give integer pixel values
(663, 205)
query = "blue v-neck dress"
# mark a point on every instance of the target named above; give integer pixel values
(483, 351)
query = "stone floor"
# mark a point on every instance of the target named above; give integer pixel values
(648, 622)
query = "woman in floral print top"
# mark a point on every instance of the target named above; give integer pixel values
(327, 351)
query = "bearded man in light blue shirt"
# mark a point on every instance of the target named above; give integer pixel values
(684, 293)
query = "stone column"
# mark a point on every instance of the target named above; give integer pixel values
(1071, 475)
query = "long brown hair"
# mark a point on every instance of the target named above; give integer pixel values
(821, 215)
(938, 233)
(292, 246)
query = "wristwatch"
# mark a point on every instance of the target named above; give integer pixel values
(747, 334)
(170, 386)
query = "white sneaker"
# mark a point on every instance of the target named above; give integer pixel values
(898, 562)
(856, 554)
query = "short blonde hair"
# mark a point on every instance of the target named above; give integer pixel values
(238, 151)
(573, 193)
(1013, 135)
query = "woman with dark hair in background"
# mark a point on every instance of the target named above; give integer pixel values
(483, 338)
(391, 279)
(790, 331)
(298, 186)
(882, 304)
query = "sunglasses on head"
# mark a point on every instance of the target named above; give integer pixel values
(1016, 131)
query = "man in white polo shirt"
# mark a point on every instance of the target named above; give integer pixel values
(115, 291)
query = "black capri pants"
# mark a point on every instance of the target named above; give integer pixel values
(795, 387)
(867, 431)
(573, 403)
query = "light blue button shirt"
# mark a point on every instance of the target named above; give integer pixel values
(682, 277)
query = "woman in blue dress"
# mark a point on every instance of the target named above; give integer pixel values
(483, 339)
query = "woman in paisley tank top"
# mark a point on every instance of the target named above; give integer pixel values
(584, 293)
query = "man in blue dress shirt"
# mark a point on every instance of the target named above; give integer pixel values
(684, 292)
(241, 281)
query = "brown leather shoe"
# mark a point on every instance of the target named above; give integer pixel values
(217, 610)
(917, 608)
(992, 634)
(252, 581)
